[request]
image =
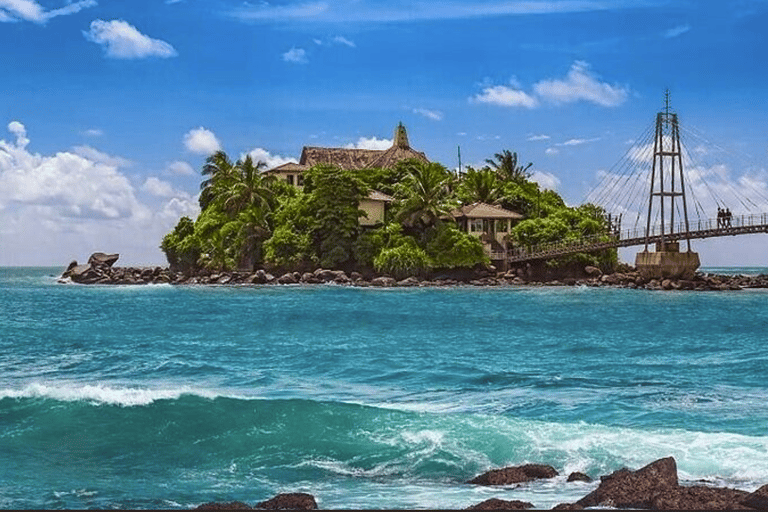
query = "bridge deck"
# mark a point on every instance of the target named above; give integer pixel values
(741, 225)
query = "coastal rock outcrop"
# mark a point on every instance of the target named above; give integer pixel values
(498, 504)
(232, 505)
(758, 499)
(634, 489)
(289, 501)
(578, 477)
(515, 475)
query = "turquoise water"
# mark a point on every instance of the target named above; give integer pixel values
(168, 397)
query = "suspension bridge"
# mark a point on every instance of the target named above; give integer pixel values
(657, 181)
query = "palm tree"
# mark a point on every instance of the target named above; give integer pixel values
(424, 195)
(219, 169)
(506, 165)
(481, 186)
(248, 187)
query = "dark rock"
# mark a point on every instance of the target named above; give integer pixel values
(592, 271)
(259, 277)
(567, 506)
(72, 264)
(634, 489)
(291, 501)
(287, 278)
(757, 500)
(355, 276)
(497, 504)
(698, 498)
(515, 475)
(579, 477)
(83, 274)
(384, 282)
(233, 505)
(100, 259)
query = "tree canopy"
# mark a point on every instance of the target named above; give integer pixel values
(250, 219)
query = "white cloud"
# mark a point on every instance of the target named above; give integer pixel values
(505, 96)
(435, 115)
(677, 31)
(577, 142)
(122, 40)
(296, 55)
(538, 137)
(271, 161)
(552, 151)
(30, 10)
(181, 168)
(71, 184)
(201, 141)
(102, 158)
(64, 206)
(93, 132)
(158, 187)
(371, 143)
(344, 41)
(360, 12)
(581, 85)
(547, 180)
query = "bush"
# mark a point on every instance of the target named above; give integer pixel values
(450, 247)
(404, 260)
(287, 248)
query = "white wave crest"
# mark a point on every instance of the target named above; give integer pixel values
(103, 394)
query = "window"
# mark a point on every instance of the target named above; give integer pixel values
(501, 226)
(289, 179)
(476, 225)
(300, 180)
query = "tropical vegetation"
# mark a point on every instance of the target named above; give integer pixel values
(249, 219)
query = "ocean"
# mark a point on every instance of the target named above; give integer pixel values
(169, 397)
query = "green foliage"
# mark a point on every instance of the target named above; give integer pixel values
(180, 246)
(287, 248)
(508, 168)
(370, 243)
(480, 186)
(424, 196)
(248, 218)
(450, 247)
(404, 260)
(334, 197)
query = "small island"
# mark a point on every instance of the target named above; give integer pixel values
(375, 212)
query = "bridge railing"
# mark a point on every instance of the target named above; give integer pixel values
(592, 242)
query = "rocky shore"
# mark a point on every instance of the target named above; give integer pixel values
(653, 487)
(100, 269)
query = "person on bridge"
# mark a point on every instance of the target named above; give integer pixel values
(728, 217)
(720, 217)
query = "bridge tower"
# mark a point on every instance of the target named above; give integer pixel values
(667, 261)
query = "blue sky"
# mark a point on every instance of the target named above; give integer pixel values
(110, 107)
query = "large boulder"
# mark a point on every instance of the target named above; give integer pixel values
(699, 498)
(497, 504)
(515, 475)
(758, 499)
(100, 259)
(385, 282)
(578, 477)
(290, 501)
(634, 489)
(232, 505)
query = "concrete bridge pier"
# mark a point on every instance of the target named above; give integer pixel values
(667, 262)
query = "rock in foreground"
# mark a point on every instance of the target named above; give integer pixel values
(515, 475)
(289, 501)
(634, 489)
(497, 504)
